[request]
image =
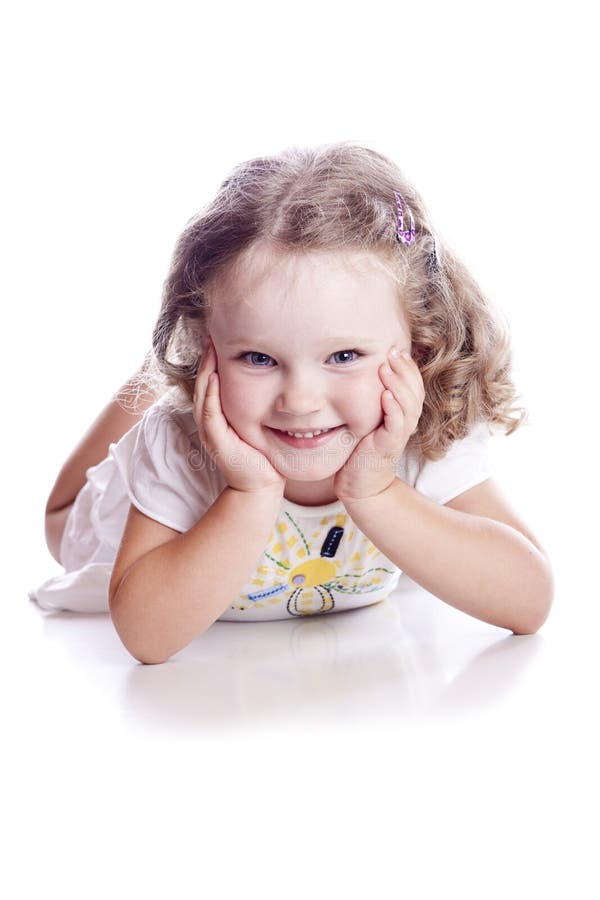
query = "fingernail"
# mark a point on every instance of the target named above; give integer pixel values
(394, 352)
(405, 354)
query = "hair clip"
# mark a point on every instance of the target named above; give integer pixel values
(405, 236)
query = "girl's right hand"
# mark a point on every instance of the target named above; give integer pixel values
(243, 467)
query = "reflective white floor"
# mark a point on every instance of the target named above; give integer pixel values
(408, 657)
(401, 746)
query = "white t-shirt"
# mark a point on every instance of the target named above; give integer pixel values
(316, 559)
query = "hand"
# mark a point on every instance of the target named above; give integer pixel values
(243, 467)
(371, 468)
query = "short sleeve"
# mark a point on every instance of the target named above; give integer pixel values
(466, 463)
(167, 475)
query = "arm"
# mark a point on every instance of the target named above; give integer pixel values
(167, 588)
(162, 598)
(115, 419)
(473, 553)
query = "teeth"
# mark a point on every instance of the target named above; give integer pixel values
(307, 434)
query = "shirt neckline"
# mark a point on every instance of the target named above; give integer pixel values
(313, 511)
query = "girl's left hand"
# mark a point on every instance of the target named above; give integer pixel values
(371, 467)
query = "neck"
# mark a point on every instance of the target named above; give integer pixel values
(310, 493)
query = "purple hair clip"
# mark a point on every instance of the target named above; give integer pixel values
(405, 235)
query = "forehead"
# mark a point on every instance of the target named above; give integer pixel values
(318, 284)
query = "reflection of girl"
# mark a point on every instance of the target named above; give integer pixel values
(333, 374)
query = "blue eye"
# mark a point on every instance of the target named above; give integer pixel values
(258, 359)
(345, 356)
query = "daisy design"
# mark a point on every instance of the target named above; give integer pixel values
(304, 571)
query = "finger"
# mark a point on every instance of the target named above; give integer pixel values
(212, 423)
(401, 412)
(402, 379)
(206, 369)
(397, 382)
(209, 357)
(407, 395)
(394, 415)
(208, 364)
(403, 364)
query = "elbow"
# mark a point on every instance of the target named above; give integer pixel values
(143, 650)
(531, 624)
(149, 659)
(148, 626)
(55, 521)
(141, 647)
(537, 602)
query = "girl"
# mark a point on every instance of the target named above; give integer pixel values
(331, 377)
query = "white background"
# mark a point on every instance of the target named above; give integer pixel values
(478, 777)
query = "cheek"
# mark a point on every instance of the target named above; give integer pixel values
(363, 404)
(230, 394)
(364, 399)
(240, 402)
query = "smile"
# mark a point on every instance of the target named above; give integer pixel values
(308, 434)
(306, 439)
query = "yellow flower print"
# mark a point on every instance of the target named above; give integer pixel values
(309, 582)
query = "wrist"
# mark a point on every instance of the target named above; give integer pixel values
(272, 492)
(374, 493)
(243, 481)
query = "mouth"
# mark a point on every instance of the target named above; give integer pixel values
(306, 439)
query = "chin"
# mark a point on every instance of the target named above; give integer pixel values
(308, 477)
(308, 468)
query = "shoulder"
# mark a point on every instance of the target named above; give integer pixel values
(488, 500)
(168, 474)
(166, 434)
(167, 416)
(465, 464)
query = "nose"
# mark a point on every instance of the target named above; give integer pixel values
(301, 393)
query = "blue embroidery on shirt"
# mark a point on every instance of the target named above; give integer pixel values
(263, 594)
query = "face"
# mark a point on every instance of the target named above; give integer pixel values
(299, 339)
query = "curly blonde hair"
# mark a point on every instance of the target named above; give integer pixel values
(341, 197)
